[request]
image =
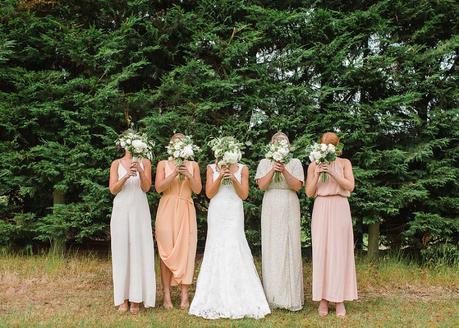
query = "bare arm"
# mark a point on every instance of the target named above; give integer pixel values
(242, 188)
(161, 181)
(144, 174)
(195, 178)
(264, 182)
(347, 181)
(311, 180)
(114, 184)
(292, 182)
(211, 185)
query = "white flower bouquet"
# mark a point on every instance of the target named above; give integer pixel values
(322, 153)
(278, 152)
(181, 149)
(137, 144)
(227, 151)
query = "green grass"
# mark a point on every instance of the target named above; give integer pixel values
(76, 291)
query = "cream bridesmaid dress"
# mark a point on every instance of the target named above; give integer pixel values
(132, 244)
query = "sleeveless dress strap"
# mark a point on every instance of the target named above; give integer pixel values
(213, 167)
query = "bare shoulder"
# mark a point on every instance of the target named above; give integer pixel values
(161, 163)
(115, 163)
(146, 161)
(345, 161)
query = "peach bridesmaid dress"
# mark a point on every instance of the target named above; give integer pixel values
(333, 266)
(176, 229)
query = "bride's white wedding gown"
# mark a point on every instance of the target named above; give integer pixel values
(228, 285)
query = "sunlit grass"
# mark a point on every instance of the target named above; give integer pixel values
(76, 290)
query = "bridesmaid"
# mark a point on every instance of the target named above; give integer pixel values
(176, 229)
(333, 267)
(131, 234)
(282, 264)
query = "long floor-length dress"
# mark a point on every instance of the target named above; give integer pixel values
(176, 229)
(132, 244)
(228, 284)
(333, 267)
(281, 240)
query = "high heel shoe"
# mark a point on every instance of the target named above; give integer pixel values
(323, 308)
(340, 310)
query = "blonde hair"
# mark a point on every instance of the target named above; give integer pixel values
(276, 136)
(178, 136)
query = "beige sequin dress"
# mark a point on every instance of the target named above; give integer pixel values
(281, 240)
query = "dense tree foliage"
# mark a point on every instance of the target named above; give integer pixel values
(383, 74)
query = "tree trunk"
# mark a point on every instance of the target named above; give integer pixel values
(57, 243)
(373, 241)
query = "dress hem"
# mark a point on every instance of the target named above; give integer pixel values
(335, 300)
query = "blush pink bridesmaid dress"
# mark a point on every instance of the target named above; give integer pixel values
(333, 267)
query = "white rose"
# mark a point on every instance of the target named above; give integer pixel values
(323, 147)
(331, 148)
(278, 157)
(128, 141)
(316, 155)
(284, 151)
(231, 157)
(123, 144)
(187, 151)
(137, 144)
(176, 154)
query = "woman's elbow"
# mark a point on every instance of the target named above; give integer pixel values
(159, 189)
(209, 194)
(262, 187)
(298, 187)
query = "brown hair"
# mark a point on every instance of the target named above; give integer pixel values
(279, 134)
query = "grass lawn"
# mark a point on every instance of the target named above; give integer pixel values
(77, 291)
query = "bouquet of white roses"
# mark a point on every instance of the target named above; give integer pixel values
(278, 152)
(322, 153)
(137, 144)
(227, 151)
(181, 149)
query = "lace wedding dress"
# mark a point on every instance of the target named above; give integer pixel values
(228, 285)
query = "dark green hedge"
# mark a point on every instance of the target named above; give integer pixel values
(381, 73)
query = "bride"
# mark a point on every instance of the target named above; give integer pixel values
(228, 285)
